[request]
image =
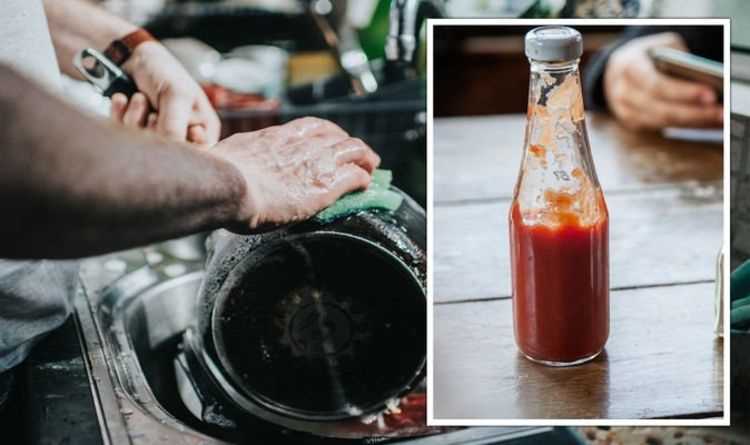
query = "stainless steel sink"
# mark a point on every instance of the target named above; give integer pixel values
(132, 311)
(138, 321)
(132, 315)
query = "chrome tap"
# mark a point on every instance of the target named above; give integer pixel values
(406, 18)
(341, 36)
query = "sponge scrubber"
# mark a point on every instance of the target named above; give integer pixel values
(376, 196)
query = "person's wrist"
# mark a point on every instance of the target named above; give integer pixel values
(235, 207)
(139, 56)
(115, 31)
(126, 47)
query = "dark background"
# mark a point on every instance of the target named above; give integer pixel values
(483, 70)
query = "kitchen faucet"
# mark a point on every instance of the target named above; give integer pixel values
(406, 17)
(341, 36)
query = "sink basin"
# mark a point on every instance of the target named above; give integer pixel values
(143, 316)
(153, 323)
(132, 312)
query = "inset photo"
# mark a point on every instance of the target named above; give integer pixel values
(577, 220)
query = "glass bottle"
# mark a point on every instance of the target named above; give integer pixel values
(558, 218)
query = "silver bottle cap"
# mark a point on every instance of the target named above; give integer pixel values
(553, 44)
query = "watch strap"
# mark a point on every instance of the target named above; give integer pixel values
(120, 50)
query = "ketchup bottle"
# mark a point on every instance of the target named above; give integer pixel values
(558, 218)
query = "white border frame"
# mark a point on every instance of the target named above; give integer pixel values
(431, 420)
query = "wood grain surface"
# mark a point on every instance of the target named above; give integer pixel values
(663, 237)
(665, 204)
(478, 158)
(660, 361)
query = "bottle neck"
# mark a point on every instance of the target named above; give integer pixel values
(556, 81)
(555, 102)
(554, 68)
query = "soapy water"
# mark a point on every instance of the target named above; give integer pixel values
(212, 414)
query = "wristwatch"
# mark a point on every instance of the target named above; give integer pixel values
(120, 50)
(104, 70)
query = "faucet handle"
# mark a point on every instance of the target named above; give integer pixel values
(406, 17)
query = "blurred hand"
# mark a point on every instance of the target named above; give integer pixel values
(295, 170)
(133, 113)
(182, 110)
(643, 98)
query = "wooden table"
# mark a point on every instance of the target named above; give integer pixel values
(665, 203)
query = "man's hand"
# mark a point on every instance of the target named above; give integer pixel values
(643, 98)
(182, 109)
(134, 113)
(295, 170)
(183, 112)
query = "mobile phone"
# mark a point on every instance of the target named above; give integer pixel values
(689, 66)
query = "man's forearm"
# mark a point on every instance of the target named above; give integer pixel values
(73, 186)
(77, 24)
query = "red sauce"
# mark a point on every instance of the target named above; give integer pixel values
(560, 284)
(538, 151)
(410, 420)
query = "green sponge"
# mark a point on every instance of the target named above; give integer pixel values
(376, 196)
(381, 179)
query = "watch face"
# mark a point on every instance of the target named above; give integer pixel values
(322, 326)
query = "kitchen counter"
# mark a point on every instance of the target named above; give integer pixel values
(55, 403)
(661, 360)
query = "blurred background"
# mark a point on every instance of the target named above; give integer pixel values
(469, 59)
